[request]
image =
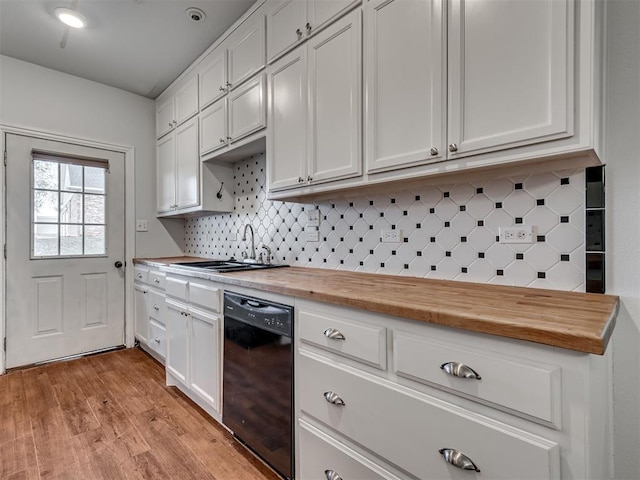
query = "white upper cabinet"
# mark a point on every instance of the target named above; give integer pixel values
(511, 85)
(247, 109)
(213, 77)
(177, 105)
(187, 165)
(213, 127)
(246, 50)
(315, 109)
(405, 81)
(290, 22)
(165, 170)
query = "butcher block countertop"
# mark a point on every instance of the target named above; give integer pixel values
(576, 321)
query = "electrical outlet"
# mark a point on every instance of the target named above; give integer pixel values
(519, 234)
(313, 218)
(391, 236)
(142, 225)
(312, 235)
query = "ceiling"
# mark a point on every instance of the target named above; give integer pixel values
(136, 45)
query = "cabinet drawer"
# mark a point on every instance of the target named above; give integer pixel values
(319, 453)
(157, 279)
(140, 274)
(532, 389)
(157, 306)
(157, 338)
(409, 429)
(366, 343)
(177, 288)
(204, 295)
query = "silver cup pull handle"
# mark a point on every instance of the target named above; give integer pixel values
(458, 459)
(333, 398)
(460, 370)
(332, 475)
(333, 334)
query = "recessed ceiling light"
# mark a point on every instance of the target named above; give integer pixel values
(195, 14)
(70, 17)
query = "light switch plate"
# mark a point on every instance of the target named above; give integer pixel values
(312, 235)
(142, 225)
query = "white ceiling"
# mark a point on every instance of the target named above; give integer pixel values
(137, 45)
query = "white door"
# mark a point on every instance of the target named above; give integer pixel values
(64, 233)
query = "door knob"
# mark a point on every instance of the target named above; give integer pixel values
(118, 264)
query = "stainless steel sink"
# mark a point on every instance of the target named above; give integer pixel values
(223, 266)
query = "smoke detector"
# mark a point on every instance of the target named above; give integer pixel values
(195, 14)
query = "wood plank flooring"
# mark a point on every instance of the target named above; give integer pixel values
(110, 416)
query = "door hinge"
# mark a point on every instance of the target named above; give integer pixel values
(4, 344)
(5, 251)
(5, 158)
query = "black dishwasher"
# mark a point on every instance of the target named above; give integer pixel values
(257, 392)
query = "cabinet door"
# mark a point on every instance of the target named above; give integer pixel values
(141, 313)
(213, 77)
(204, 351)
(404, 82)
(187, 165)
(286, 136)
(321, 12)
(177, 340)
(166, 173)
(335, 112)
(247, 51)
(512, 85)
(213, 127)
(247, 109)
(285, 26)
(186, 99)
(165, 116)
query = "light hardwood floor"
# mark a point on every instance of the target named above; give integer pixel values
(110, 416)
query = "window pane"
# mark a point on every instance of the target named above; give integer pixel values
(94, 209)
(94, 240)
(71, 208)
(45, 175)
(71, 177)
(94, 179)
(45, 240)
(70, 240)
(45, 206)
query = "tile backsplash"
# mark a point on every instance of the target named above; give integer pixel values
(448, 231)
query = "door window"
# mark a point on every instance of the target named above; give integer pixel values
(68, 209)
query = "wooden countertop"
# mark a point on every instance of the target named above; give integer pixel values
(571, 320)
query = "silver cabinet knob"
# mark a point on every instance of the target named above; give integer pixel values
(300, 179)
(461, 370)
(453, 147)
(157, 340)
(332, 475)
(229, 138)
(139, 275)
(433, 152)
(333, 334)
(222, 140)
(221, 89)
(458, 459)
(309, 178)
(308, 27)
(333, 398)
(298, 32)
(156, 308)
(155, 280)
(228, 84)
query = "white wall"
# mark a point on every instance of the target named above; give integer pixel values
(41, 99)
(623, 222)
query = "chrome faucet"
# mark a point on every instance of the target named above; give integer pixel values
(252, 252)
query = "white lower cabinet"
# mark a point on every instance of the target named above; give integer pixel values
(443, 403)
(150, 310)
(194, 346)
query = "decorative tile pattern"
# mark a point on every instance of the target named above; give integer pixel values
(447, 232)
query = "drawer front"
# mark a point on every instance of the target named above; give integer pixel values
(140, 274)
(409, 429)
(177, 288)
(320, 453)
(366, 343)
(534, 390)
(157, 338)
(157, 306)
(205, 295)
(157, 279)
